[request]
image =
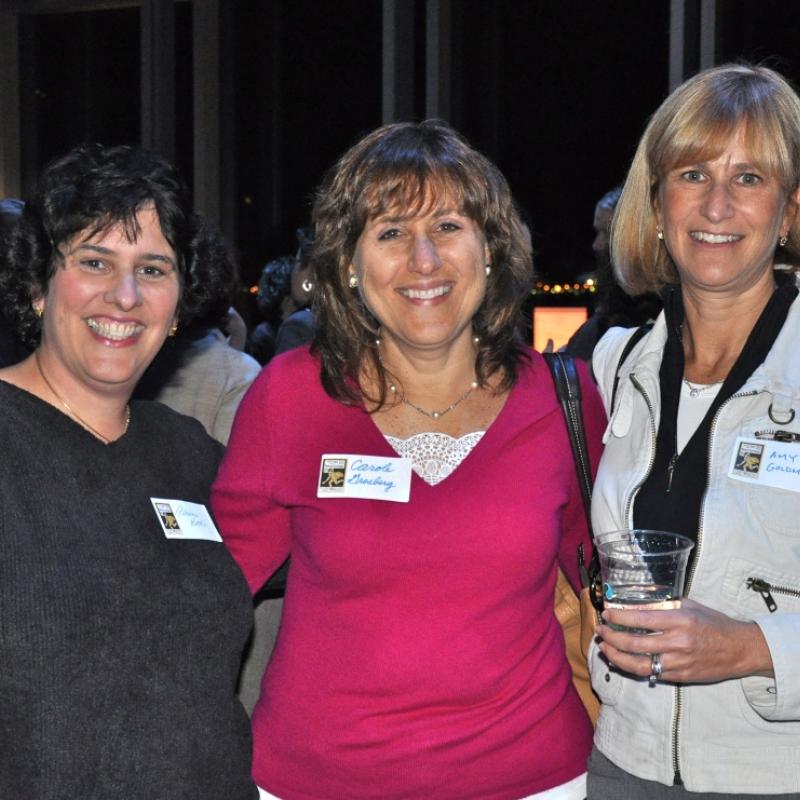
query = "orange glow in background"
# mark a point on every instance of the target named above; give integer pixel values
(557, 323)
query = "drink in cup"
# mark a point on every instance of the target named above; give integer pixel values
(643, 569)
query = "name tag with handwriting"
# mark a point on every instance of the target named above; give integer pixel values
(766, 463)
(364, 477)
(181, 519)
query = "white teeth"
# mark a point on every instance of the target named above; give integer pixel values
(714, 238)
(425, 294)
(115, 330)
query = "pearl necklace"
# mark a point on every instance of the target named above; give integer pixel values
(435, 414)
(696, 389)
(82, 422)
(432, 414)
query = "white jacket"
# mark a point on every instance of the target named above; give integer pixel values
(737, 736)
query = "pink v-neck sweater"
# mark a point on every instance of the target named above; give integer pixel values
(418, 654)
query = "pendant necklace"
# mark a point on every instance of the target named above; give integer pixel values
(696, 389)
(82, 422)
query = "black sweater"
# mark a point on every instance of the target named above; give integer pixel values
(119, 648)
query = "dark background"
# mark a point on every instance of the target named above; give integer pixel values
(557, 93)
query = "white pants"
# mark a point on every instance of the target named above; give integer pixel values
(574, 790)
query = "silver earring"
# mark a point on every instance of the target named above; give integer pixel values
(352, 281)
(660, 234)
(307, 285)
(488, 270)
(782, 241)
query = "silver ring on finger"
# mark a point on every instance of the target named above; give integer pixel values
(655, 669)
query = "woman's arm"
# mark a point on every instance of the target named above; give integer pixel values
(254, 526)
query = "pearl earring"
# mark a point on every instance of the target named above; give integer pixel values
(488, 270)
(352, 281)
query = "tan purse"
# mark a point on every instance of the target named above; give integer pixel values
(577, 614)
(578, 620)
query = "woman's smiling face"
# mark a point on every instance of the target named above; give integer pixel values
(109, 304)
(422, 274)
(722, 219)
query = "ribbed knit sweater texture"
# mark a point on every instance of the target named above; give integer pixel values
(119, 648)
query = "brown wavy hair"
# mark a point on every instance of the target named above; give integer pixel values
(403, 166)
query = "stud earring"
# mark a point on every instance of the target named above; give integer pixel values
(39, 311)
(782, 241)
(352, 281)
(488, 270)
(173, 329)
(660, 234)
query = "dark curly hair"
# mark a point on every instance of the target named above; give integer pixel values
(401, 166)
(90, 190)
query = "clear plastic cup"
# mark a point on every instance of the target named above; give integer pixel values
(642, 568)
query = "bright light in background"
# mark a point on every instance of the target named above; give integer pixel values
(557, 323)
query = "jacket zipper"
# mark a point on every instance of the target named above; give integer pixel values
(676, 717)
(632, 497)
(765, 589)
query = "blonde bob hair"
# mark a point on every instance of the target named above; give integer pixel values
(696, 123)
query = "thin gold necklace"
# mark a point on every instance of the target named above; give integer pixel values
(82, 422)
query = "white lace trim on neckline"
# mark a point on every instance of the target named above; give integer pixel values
(434, 456)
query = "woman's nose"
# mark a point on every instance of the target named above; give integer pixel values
(124, 292)
(424, 257)
(717, 203)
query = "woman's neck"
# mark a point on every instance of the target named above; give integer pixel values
(104, 415)
(430, 374)
(716, 327)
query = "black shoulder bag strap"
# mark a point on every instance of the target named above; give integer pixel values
(568, 391)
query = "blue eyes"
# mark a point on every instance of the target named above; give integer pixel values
(745, 179)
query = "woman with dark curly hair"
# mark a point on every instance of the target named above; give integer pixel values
(123, 614)
(416, 466)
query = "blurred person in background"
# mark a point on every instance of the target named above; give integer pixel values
(12, 350)
(614, 307)
(274, 304)
(298, 328)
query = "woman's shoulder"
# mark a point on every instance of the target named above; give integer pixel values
(161, 426)
(290, 375)
(617, 345)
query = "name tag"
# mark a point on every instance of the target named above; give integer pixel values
(365, 477)
(181, 519)
(766, 463)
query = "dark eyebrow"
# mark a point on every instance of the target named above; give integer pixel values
(107, 251)
(385, 219)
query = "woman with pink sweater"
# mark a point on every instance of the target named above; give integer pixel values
(415, 464)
